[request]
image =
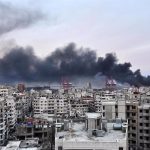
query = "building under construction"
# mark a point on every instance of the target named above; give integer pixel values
(110, 84)
(37, 128)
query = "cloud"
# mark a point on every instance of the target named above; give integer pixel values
(13, 18)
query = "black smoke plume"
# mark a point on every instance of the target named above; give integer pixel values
(21, 64)
(13, 17)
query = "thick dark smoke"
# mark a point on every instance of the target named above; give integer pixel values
(21, 64)
(13, 17)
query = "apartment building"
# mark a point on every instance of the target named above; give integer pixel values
(104, 98)
(11, 111)
(53, 104)
(40, 105)
(61, 103)
(3, 121)
(138, 125)
(34, 128)
(23, 104)
(132, 116)
(143, 138)
(78, 108)
(111, 105)
(109, 110)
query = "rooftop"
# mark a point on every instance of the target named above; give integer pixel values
(12, 145)
(30, 144)
(93, 115)
(48, 117)
(79, 134)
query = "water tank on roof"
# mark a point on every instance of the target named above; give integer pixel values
(124, 126)
(118, 124)
(98, 133)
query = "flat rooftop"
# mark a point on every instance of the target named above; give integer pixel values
(48, 117)
(92, 115)
(79, 134)
(31, 144)
(12, 145)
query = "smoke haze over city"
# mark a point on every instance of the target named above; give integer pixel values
(21, 64)
(52, 55)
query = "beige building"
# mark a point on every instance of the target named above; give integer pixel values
(138, 125)
(143, 138)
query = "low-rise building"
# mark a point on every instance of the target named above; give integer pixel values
(92, 135)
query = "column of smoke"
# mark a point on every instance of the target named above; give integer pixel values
(21, 64)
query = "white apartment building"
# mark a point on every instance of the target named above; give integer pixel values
(11, 111)
(40, 105)
(54, 104)
(121, 106)
(3, 91)
(109, 110)
(110, 105)
(61, 103)
(22, 105)
(3, 121)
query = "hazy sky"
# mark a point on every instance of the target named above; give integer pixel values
(120, 26)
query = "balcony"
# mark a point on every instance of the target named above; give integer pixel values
(144, 121)
(144, 127)
(145, 114)
(132, 131)
(144, 134)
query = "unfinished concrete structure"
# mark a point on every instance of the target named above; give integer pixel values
(36, 128)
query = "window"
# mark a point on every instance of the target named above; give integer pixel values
(128, 114)
(133, 134)
(147, 138)
(147, 111)
(116, 114)
(133, 128)
(103, 114)
(133, 121)
(141, 131)
(147, 131)
(60, 148)
(98, 122)
(128, 107)
(141, 124)
(120, 148)
(141, 144)
(141, 137)
(133, 114)
(147, 118)
(146, 124)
